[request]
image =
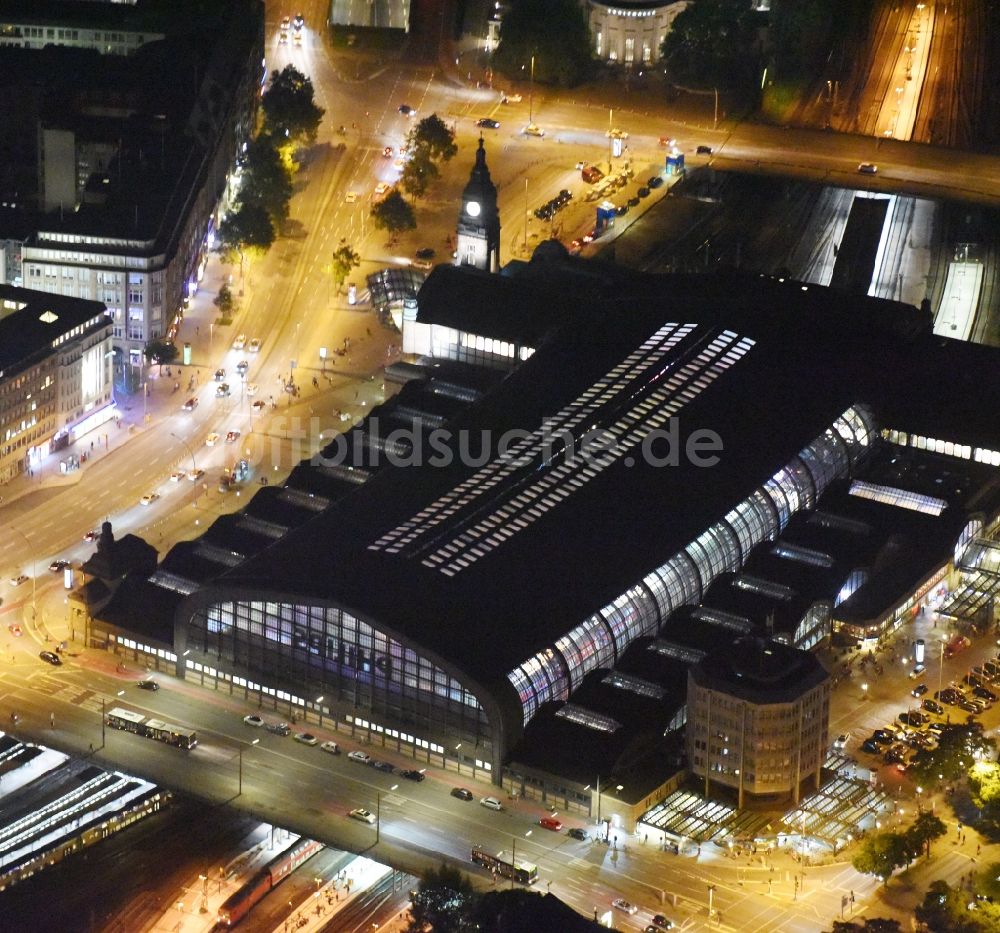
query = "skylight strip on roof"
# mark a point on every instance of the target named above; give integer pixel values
(659, 345)
(699, 365)
(901, 498)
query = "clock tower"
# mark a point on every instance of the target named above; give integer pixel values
(479, 219)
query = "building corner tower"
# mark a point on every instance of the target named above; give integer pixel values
(479, 219)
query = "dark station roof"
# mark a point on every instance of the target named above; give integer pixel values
(815, 353)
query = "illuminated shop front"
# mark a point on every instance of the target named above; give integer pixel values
(364, 675)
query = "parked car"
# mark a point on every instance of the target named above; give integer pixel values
(366, 816)
(655, 181)
(871, 747)
(426, 252)
(151, 685)
(643, 192)
(359, 756)
(984, 693)
(383, 766)
(932, 706)
(411, 774)
(306, 738)
(884, 735)
(51, 657)
(278, 728)
(491, 803)
(462, 793)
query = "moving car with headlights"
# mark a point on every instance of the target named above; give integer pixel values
(619, 903)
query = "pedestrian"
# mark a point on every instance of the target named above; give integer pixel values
(978, 847)
(52, 722)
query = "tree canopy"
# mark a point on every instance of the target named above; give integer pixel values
(345, 259)
(247, 228)
(444, 903)
(555, 32)
(945, 910)
(434, 136)
(881, 855)
(160, 352)
(394, 213)
(266, 179)
(868, 925)
(925, 829)
(419, 173)
(713, 43)
(290, 110)
(959, 747)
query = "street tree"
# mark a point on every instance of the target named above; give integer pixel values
(246, 229)
(290, 110)
(555, 32)
(266, 178)
(713, 43)
(959, 748)
(945, 910)
(394, 214)
(434, 136)
(443, 903)
(224, 300)
(159, 352)
(345, 260)
(925, 829)
(881, 855)
(419, 173)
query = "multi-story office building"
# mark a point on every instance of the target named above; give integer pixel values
(55, 374)
(757, 719)
(130, 171)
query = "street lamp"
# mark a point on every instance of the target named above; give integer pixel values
(513, 856)
(531, 90)
(864, 691)
(711, 896)
(177, 437)
(940, 667)
(239, 792)
(378, 813)
(34, 568)
(319, 706)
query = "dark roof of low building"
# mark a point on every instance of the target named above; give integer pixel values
(760, 671)
(30, 331)
(144, 608)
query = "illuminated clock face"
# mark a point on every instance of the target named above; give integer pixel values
(472, 208)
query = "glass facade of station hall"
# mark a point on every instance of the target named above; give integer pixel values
(641, 610)
(298, 652)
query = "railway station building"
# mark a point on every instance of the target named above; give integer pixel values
(586, 481)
